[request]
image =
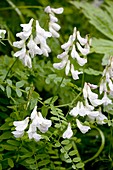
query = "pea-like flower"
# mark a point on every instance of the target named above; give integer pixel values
(53, 26)
(68, 133)
(82, 128)
(77, 46)
(20, 126)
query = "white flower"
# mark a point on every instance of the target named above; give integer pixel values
(74, 54)
(34, 113)
(36, 137)
(33, 48)
(93, 97)
(53, 32)
(21, 53)
(41, 36)
(62, 55)
(32, 133)
(80, 109)
(100, 119)
(20, 127)
(48, 9)
(96, 102)
(68, 44)
(18, 134)
(84, 50)
(62, 64)
(38, 121)
(82, 41)
(75, 111)
(42, 123)
(75, 73)
(27, 60)
(67, 69)
(53, 26)
(106, 100)
(57, 10)
(27, 27)
(27, 30)
(53, 18)
(92, 115)
(81, 127)
(68, 133)
(2, 33)
(19, 44)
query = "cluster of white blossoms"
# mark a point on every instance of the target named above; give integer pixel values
(87, 109)
(106, 84)
(77, 46)
(30, 45)
(37, 123)
(2, 33)
(33, 41)
(54, 27)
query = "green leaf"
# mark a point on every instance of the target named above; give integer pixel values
(57, 144)
(68, 147)
(80, 165)
(5, 126)
(9, 147)
(91, 71)
(10, 162)
(2, 87)
(65, 142)
(30, 161)
(20, 83)
(102, 46)
(98, 17)
(43, 163)
(13, 142)
(77, 159)
(6, 135)
(72, 153)
(44, 111)
(18, 92)
(68, 160)
(51, 100)
(9, 82)
(66, 155)
(8, 91)
(55, 118)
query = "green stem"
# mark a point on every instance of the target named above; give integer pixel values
(76, 98)
(10, 69)
(101, 146)
(21, 7)
(17, 10)
(78, 155)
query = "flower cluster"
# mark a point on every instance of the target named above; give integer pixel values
(30, 45)
(37, 122)
(53, 26)
(77, 46)
(87, 109)
(106, 84)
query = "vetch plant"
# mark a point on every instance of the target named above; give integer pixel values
(50, 120)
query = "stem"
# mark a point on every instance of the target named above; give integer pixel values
(21, 7)
(76, 98)
(17, 10)
(101, 146)
(10, 69)
(78, 155)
